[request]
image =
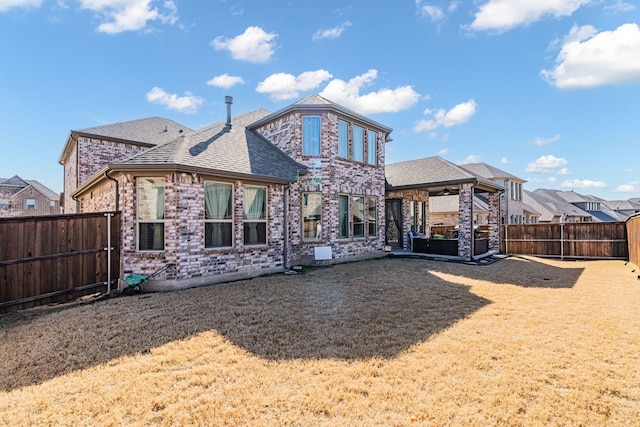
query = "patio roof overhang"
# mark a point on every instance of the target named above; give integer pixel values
(445, 188)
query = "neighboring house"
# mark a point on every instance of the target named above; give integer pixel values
(624, 207)
(595, 207)
(444, 210)
(512, 208)
(19, 197)
(554, 209)
(249, 196)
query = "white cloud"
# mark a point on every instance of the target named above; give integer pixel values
(590, 59)
(5, 5)
(281, 86)
(129, 15)
(331, 33)
(443, 152)
(628, 170)
(548, 180)
(184, 104)
(225, 81)
(546, 164)
(620, 6)
(504, 161)
(434, 13)
(471, 158)
(380, 101)
(632, 187)
(503, 15)
(458, 115)
(564, 171)
(254, 45)
(583, 184)
(545, 141)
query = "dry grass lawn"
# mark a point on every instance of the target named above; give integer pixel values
(392, 342)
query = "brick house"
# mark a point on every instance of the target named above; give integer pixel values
(19, 197)
(249, 196)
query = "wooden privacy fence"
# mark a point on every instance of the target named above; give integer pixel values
(633, 234)
(57, 258)
(597, 240)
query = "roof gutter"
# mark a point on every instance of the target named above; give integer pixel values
(106, 175)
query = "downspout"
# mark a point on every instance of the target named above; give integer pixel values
(106, 175)
(285, 244)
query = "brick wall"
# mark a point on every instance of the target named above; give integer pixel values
(332, 176)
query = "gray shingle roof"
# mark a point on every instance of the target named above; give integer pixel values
(550, 207)
(46, 191)
(150, 130)
(14, 181)
(490, 172)
(429, 172)
(218, 151)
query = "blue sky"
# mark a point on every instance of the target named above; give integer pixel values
(546, 90)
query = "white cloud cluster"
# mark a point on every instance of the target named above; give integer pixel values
(546, 164)
(254, 45)
(331, 33)
(380, 101)
(583, 184)
(129, 15)
(458, 115)
(5, 5)
(225, 81)
(184, 104)
(282, 86)
(503, 15)
(590, 59)
(436, 13)
(632, 187)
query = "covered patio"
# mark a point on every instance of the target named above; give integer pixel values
(409, 187)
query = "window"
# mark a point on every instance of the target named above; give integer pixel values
(358, 216)
(373, 216)
(52, 203)
(218, 215)
(343, 217)
(343, 139)
(31, 204)
(372, 147)
(4, 204)
(150, 214)
(358, 144)
(311, 135)
(311, 216)
(255, 216)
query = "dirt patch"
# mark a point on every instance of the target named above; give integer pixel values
(384, 342)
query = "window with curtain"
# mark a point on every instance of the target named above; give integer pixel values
(372, 145)
(311, 216)
(343, 217)
(358, 144)
(358, 216)
(218, 215)
(372, 218)
(31, 203)
(343, 139)
(255, 216)
(311, 135)
(150, 214)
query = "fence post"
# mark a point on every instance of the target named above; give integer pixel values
(561, 241)
(109, 215)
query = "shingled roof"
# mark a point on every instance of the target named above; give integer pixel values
(433, 173)
(217, 150)
(490, 172)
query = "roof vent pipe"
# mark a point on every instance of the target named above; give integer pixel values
(228, 100)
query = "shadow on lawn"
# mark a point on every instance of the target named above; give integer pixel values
(362, 310)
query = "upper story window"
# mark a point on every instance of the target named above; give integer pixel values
(31, 204)
(311, 135)
(372, 145)
(218, 215)
(343, 139)
(516, 191)
(358, 144)
(255, 216)
(150, 214)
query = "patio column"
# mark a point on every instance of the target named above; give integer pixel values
(465, 215)
(494, 221)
